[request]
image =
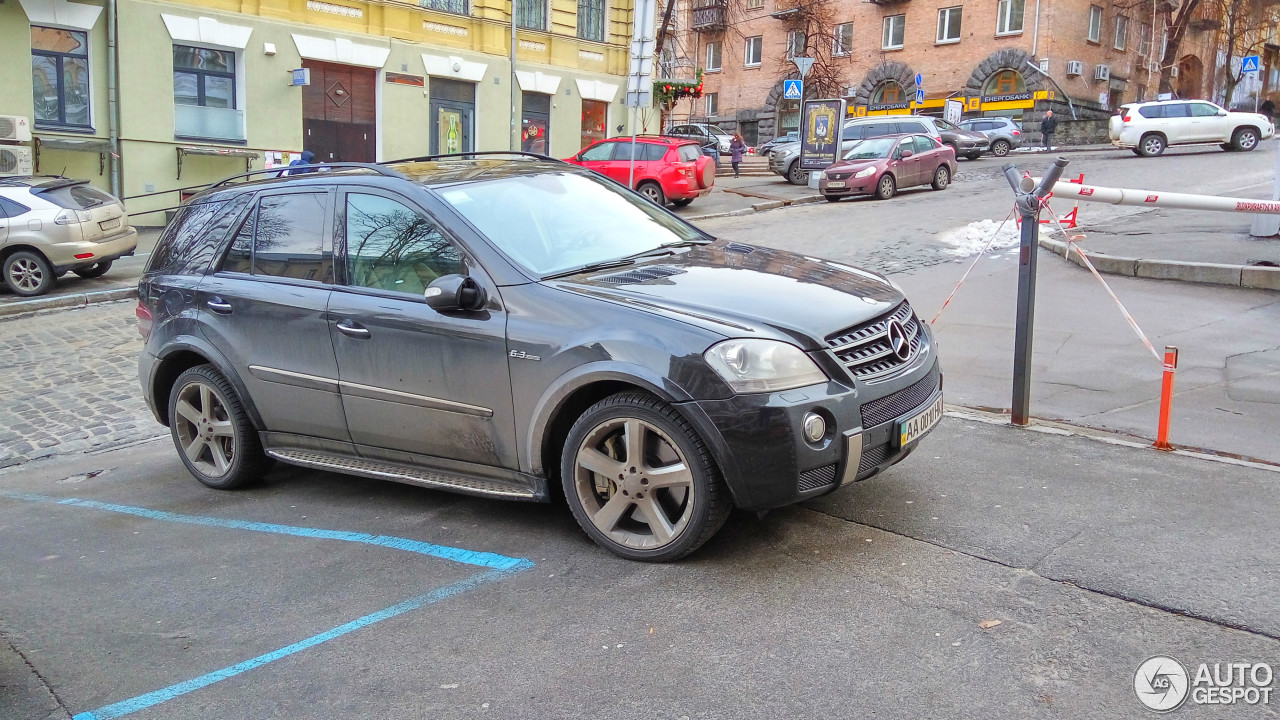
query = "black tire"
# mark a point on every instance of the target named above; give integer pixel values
(1136, 151)
(27, 273)
(886, 187)
(683, 202)
(705, 503)
(1245, 139)
(1000, 148)
(832, 198)
(941, 178)
(973, 156)
(1228, 147)
(246, 462)
(796, 176)
(652, 191)
(1152, 145)
(93, 271)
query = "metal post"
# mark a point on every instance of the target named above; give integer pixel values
(1029, 195)
(631, 176)
(514, 127)
(113, 100)
(1166, 397)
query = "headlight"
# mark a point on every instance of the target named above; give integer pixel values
(866, 172)
(753, 366)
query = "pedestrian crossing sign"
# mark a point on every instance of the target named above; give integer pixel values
(1249, 64)
(792, 89)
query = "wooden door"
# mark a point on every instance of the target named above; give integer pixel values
(340, 112)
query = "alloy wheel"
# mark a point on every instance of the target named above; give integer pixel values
(204, 429)
(26, 274)
(1000, 148)
(634, 484)
(1246, 140)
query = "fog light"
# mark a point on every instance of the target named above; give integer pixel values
(815, 428)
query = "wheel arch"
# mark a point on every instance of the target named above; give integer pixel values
(8, 250)
(182, 355)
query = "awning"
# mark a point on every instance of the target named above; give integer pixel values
(95, 145)
(248, 155)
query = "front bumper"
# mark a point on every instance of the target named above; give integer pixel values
(779, 162)
(62, 255)
(852, 186)
(766, 461)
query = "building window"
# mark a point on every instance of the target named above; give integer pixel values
(795, 43)
(667, 61)
(458, 7)
(1122, 31)
(60, 77)
(206, 78)
(894, 28)
(755, 4)
(949, 25)
(1144, 41)
(755, 46)
(842, 42)
(531, 14)
(591, 20)
(1142, 94)
(888, 93)
(713, 56)
(713, 104)
(1009, 16)
(1095, 24)
(1005, 82)
(595, 121)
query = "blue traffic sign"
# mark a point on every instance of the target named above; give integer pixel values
(1249, 64)
(920, 96)
(792, 89)
(919, 80)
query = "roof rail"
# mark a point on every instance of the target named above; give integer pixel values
(290, 170)
(479, 153)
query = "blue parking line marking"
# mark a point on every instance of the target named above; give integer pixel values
(142, 702)
(459, 555)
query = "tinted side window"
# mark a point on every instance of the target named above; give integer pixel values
(912, 126)
(11, 209)
(1152, 111)
(288, 237)
(240, 254)
(391, 246)
(852, 132)
(925, 144)
(877, 129)
(1177, 110)
(195, 235)
(599, 153)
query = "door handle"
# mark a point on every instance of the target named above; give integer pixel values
(219, 306)
(351, 328)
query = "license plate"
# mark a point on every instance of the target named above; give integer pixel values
(835, 184)
(912, 428)
(111, 224)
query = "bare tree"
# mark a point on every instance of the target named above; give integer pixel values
(1244, 26)
(816, 19)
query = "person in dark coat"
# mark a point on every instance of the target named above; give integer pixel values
(737, 147)
(1048, 126)
(1268, 108)
(306, 158)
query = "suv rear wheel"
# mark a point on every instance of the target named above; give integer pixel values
(212, 432)
(653, 192)
(1000, 148)
(27, 273)
(640, 481)
(1151, 145)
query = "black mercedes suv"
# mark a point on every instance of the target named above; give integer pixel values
(498, 325)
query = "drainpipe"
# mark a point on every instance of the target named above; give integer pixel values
(1035, 34)
(514, 127)
(113, 107)
(1035, 67)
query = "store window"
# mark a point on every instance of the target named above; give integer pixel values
(713, 55)
(60, 77)
(595, 121)
(591, 20)
(895, 27)
(842, 40)
(535, 122)
(949, 25)
(1009, 16)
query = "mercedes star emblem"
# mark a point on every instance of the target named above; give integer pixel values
(898, 341)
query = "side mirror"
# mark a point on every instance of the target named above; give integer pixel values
(907, 153)
(455, 292)
(1222, 113)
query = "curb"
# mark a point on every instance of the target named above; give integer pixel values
(1244, 276)
(758, 207)
(67, 301)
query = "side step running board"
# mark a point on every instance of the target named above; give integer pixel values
(398, 473)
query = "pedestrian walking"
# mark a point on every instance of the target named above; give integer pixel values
(736, 150)
(1268, 108)
(304, 159)
(1048, 126)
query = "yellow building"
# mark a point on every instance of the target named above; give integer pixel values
(194, 92)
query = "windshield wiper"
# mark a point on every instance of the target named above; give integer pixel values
(591, 267)
(665, 249)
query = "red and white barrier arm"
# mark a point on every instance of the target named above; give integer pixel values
(1149, 198)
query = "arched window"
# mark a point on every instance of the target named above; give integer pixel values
(1005, 82)
(888, 93)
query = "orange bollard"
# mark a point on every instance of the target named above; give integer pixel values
(1166, 397)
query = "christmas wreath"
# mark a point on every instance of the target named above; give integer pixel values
(669, 91)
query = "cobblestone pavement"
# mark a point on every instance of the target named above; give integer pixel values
(71, 383)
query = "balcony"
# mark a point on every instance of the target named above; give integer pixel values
(710, 15)
(884, 3)
(208, 123)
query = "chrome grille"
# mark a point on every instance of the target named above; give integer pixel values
(865, 349)
(896, 405)
(818, 478)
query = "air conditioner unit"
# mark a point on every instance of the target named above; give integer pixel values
(1154, 68)
(1102, 72)
(1173, 71)
(15, 160)
(1075, 67)
(15, 128)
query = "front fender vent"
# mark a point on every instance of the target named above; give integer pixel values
(639, 275)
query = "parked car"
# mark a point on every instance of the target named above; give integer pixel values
(883, 165)
(785, 159)
(50, 226)
(767, 148)
(580, 338)
(964, 142)
(1148, 128)
(702, 132)
(712, 150)
(667, 169)
(1002, 133)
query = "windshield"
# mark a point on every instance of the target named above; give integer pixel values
(715, 130)
(552, 222)
(944, 124)
(871, 149)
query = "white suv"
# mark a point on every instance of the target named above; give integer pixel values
(1148, 128)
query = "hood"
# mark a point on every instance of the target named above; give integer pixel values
(856, 165)
(742, 290)
(970, 134)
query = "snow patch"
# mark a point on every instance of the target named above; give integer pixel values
(972, 238)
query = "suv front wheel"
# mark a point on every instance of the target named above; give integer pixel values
(796, 176)
(640, 481)
(213, 434)
(1245, 139)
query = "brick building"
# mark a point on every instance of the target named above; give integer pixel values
(1097, 53)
